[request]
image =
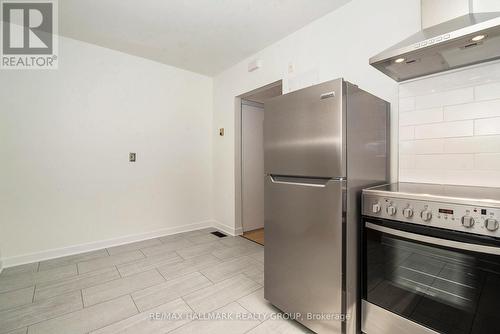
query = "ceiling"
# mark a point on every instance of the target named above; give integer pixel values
(204, 36)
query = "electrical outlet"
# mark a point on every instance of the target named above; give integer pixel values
(221, 132)
(131, 157)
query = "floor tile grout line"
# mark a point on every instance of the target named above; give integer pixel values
(118, 270)
(169, 301)
(212, 311)
(235, 300)
(253, 291)
(86, 287)
(252, 279)
(185, 302)
(158, 271)
(129, 293)
(117, 321)
(219, 307)
(133, 301)
(48, 319)
(242, 272)
(78, 261)
(17, 289)
(81, 295)
(161, 263)
(113, 263)
(209, 278)
(34, 291)
(22, 305)
(187, 323)
(65, 314)
(257, 325)
(185, 274)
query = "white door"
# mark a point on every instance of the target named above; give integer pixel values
(252, 155)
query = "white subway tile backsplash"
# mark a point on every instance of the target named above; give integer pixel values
(447, 98)
(487, 92)
(407, 161)
(424, 146)
(444, 130)
(481, 6)
(421, 175)
(466, 77)
(450, 128)
(421, 117)
(472, 110)
(407, 104)
(486, 178)
(445, 161)
(487, 161)
(487, 126)
(406, 132)
(476, 144)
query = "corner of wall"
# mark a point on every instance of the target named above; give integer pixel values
(231, 230)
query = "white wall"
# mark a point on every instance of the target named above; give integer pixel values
(450, 127)
(65, 136)
(337, 45)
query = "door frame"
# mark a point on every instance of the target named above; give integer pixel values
(238, 165)
(249, 103)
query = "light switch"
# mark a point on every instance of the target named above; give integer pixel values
(131, 157)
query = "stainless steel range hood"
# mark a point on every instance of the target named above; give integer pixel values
(466, 40)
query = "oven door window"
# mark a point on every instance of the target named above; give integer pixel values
(446, 289)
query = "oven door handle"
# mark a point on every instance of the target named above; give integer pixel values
(436, 241)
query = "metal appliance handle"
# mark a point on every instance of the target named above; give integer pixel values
(300, 181)
(436, 241)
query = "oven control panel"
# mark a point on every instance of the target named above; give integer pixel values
(463, 218)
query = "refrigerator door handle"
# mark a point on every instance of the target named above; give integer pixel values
(301, 181)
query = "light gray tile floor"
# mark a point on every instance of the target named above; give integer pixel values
(16, 298)
(190, 282)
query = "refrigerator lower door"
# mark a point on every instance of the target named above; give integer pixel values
(303, 253)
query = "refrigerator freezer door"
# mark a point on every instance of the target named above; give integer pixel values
(303, 253)
(304, 132)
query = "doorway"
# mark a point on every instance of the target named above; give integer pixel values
(252, 160)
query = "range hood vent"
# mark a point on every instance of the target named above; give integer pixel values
(466, 40)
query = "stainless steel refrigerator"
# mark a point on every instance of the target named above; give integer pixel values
(322, 145)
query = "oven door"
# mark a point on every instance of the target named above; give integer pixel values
(432, 279)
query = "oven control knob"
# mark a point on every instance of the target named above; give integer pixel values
(391, 210)
(408, 212)
(491, 224)
(376, 208)
(468, 221)
(426, 215)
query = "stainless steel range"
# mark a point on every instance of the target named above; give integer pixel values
(430, 259)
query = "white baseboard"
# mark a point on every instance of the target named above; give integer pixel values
(82, 248)
(227, 229)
